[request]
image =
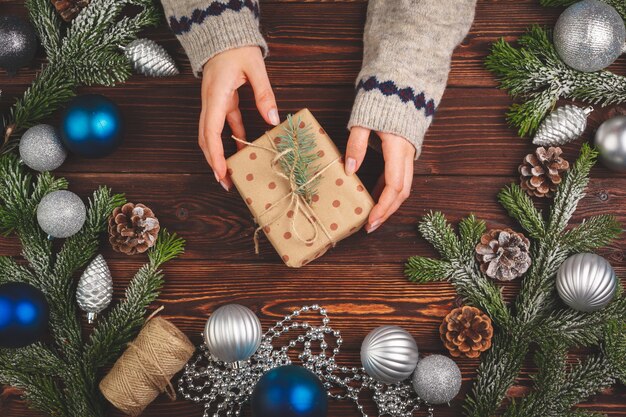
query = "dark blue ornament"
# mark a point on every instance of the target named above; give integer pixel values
(24, 315)
(18, 43)
(91, 126)
(289, 391)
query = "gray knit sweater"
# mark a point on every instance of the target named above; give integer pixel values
(408, 47)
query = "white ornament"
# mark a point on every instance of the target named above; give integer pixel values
(233, 334)
(41, 148)
(389, 354)
(149, 58)
(562, 126)
(586, 282)
(95, 288)
(437, 379)
(611, 143)
(61, 214)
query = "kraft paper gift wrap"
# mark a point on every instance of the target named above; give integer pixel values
(300, 231)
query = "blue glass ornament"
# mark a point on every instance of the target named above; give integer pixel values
(289, 391)
(91, 126)
(24, 315)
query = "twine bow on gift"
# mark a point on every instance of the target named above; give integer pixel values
(297, 201)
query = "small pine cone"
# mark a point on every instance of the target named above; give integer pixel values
(541, 172)
(503, 254)
(133, 229)
(69, 9)
(466, 331)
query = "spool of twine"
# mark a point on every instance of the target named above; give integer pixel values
(145, 369)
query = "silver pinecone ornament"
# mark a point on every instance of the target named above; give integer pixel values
(95, 288)
(562, 126)
(149, 58)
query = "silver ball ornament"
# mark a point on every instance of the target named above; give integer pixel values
(41, 148)
(611, 143)
(589, 35)
(61, 214)
(586, 282)
(94, 292)
(389, 354)
(437, 379)
(233, 333)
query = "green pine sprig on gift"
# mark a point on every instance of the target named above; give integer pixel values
(61, 378)
(85, 53)
(534, 74)
(299, 158)
(536, 316)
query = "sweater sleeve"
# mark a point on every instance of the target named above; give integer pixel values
(407, 53)
(207, 27)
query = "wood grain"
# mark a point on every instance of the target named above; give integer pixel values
(470, 153)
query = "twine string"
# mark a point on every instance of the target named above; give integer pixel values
(296, 200)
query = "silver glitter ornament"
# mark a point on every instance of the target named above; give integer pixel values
(611, 143)
(562, 126)
(95, 288)
(437, 379)
(149, 58)
(18, 43)
(61, 214)
(389, 354)
(590, 35)
(586, 282)
(41, 148)
(233, 334)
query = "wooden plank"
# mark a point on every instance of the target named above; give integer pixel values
(218, 226)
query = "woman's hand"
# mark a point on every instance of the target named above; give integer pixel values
(222, 76)
(394, 185)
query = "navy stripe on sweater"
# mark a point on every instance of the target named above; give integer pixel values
(389, 88)
(184, 24)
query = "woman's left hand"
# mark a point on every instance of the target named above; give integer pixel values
(394, 185)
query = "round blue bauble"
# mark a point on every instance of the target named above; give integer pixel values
(289, 391)
(91, 126)
(24, 315)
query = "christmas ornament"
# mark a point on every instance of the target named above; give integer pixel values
(224, 389)
(95, 288)
(24, 315)
(289, 391)
(611, 143)
(41, 148)
(18, 43)
(389, 354)
(589, 35)
(586, 282)
(69, 9)
(91, 126)
(61, 214)
(437, 379)
(503, 254)
(541, 172)
(233, 334)
(133, 228)
(149, 58)
(466, 331)
(562, 126)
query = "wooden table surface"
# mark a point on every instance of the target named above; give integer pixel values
(316, 48)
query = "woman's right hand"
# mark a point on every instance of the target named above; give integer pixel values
(222, 76)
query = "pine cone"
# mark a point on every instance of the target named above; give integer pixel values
(69, 9)
(466, 331)
(541, 172)
(133, 229)
(503, 254)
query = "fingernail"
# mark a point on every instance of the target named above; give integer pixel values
(350, 166)
(273, 116)
(217, 177)
(372, 227)
(224, 186)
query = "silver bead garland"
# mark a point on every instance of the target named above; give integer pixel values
(223, 389)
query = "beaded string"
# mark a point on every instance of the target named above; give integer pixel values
(224, 390)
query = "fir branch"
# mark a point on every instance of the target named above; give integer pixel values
(298, 145)
(535, 73)
(521, 207)
(470, 231)
(10, 271)
(614, 347)
(439, 233)
(593, 233)
(619, 5)
(422, 270)
(48, 24)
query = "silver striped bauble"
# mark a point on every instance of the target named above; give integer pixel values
(233, 333)
(589, 35)
(389, 354)
(586, 282)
